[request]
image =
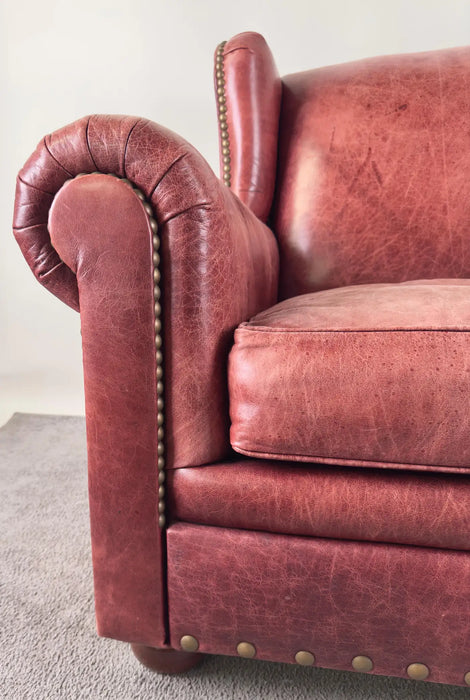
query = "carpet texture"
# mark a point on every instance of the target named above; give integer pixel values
(48, 645)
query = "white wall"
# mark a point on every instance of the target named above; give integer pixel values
(62, 59)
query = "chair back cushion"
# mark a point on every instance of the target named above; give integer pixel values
(373, 181)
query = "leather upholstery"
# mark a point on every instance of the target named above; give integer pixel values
(372, 375)
(106, 244)
(101, 246)
(373, 178)
(313, 500)
(253, 100)
(219, 262)
(336, 599)
(371, 174)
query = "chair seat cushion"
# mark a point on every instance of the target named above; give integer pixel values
(369, 375)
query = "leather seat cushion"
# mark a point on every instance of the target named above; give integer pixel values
(368, 375)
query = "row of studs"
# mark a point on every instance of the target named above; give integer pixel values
(158, 343)
(222, 112)
(158, 360)
(363, 664)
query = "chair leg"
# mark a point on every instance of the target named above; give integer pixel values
(166, 660)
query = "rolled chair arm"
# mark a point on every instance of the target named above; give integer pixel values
(92, 241)
(219, 262)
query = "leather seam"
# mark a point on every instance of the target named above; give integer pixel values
(52, 194)
(43, 275)
(88, 143)
(347, 461)
(127, 143)
(260, 329)
(240, 48)
(162, 177)
(55, 159)
(25, 228)
(200, 205)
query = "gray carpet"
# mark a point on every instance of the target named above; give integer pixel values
(48, 645)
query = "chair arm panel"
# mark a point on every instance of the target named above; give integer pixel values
(89, 240)
(102, 232)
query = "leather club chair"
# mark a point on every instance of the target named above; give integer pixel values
(277, 363)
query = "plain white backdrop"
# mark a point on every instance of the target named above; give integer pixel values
(62, 59)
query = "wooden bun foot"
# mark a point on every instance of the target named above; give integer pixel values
(166, 660)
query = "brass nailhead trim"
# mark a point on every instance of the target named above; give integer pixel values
(363, 664)
(304, 658)
(246, 650)
(222, 113)
(159, 368)
(189, 643)
(418, 672)
(467, 678)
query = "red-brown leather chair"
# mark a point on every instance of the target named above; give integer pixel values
(330, 524)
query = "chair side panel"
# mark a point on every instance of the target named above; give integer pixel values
(337, 600)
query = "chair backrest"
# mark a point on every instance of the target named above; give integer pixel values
(373, 171)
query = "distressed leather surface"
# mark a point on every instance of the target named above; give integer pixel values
(102, 233)
(219, 262)
(219, 266)
(365, 194)
(373, 176)
(373, 375)
(377, 505)
(337, 599)
(253, 100)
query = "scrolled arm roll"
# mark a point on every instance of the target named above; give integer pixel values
(219, 261)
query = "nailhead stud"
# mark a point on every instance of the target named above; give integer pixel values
(246, 650)
(417, 671)
(363, 664)
(305, 658)
(189, 643)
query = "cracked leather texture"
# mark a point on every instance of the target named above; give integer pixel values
(103, 234)
(219, 262)
(373, 375)
(372, 182)
(377, 505)
(253, 101)
(98, 258)
(371, 187)
(337, 599)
